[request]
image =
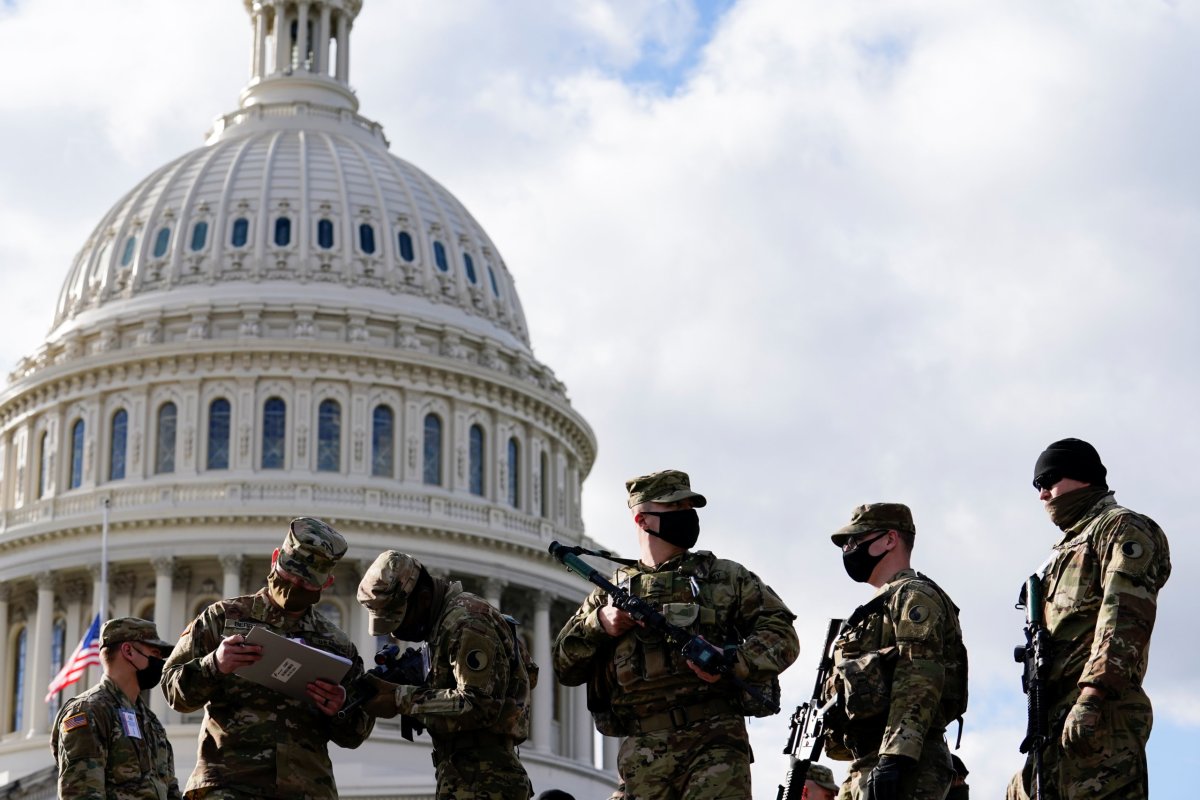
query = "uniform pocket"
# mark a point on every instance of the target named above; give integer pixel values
(867, 682)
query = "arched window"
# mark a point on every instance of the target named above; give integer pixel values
(404, 240)
(439, 257)
(161, 242)
(127, 253)
(164, 453)
(475, 459)
(43, 464)
(58, 651)
(545, 476)
(241, 232)
(75, 479)
(18, 673)
(382, 436)
(274, 431)
(366, 238)
(118, 445)
(329, 436)
(199, 236)
(492, 279)
(469, 265)
(218, 434)
(283, 232)
(325, 234)
(514, 473)
(433, 450)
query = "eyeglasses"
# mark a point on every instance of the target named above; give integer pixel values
(854, 541)
(1046, 480)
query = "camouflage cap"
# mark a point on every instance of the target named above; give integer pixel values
(385, 589)
(876, 517)
(132, 629)
(668, 486)
(310, 550)
(822, 776)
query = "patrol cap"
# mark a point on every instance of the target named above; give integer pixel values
(822, 776)
(876, 517)
(131, 629)
(310, 550)
(668, 486)
(385, 588)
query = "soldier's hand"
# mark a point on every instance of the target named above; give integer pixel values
(884, 781)
(1082, 725)
(613, 620)
(329, 697)
(234, 653)
(383, 704)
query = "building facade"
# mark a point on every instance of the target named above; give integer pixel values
(287, 321)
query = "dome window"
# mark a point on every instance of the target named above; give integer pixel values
(127, 253)
(544, 508)
(218, 434)
(469, 265)
(43, 482)
(274, 431)
(283, 232)
(161, 242)
(439, 256)
(241, 232)
(366, 238)
(325, 234)
(406, 246)
(492, 280)
(475, 458)
(514, 473)
(382, 428)
(116, 447)
(76, 455)
(199, 236)
(164, 453)
(432, 448)
(329, 436)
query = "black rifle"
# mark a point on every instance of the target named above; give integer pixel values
(808, 724)
(405, 669)
(1034, 655)
(704, 654)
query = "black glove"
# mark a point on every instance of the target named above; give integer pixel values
(884, 781)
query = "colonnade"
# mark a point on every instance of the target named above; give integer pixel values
(273, 21)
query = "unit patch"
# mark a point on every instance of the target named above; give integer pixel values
(477, 660)
(1132, 549)
(918, 614)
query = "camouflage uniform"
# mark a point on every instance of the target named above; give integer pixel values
(685, 738)
(1101, 587)
(255, 742)
(475, 701)
(97, 757)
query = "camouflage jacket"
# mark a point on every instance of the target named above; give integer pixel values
(110, 749)
(479, 679)
(1101, 587)
(637, 675)
(254, 739)
(894, 665)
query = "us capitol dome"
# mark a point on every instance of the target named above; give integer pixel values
(286, 321)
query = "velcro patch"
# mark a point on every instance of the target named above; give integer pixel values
(1132, 549)
(477, 660)
(77, 721)
(918, 614)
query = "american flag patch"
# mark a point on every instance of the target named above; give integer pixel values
(77, 721)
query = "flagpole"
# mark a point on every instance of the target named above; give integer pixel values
(103, 593)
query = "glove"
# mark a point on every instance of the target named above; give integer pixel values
(383, 704)
(1082, 725)
(884, 781)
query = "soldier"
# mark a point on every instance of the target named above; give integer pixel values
(900, 667)
(475, 702)
(959, 788)
(1100, 589)
(107, 741)
(685, 733)
(256, 742)
(819, 784)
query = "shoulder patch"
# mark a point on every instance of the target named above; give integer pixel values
(918, 613)
(1132, 549)
(74, 722)
(477, 660)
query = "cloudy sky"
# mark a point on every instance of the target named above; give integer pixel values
(815, 253)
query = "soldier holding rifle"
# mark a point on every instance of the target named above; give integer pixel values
(1098, 598)
(685, 736)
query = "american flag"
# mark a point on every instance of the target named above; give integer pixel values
(87, 654)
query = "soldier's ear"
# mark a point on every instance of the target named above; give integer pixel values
(328, 582)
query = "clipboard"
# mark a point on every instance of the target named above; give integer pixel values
(288, 666)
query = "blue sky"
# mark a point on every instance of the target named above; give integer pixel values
(814, 253)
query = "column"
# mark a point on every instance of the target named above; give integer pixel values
(582, 740)
(5, 668)
(493, 591)
(260, 42)
(231, 569)
(38, 678)
(283, 35)
(121, 594)
(302, 37)
(164, 583)
(543, 693)
(343, 48)
(321, 51)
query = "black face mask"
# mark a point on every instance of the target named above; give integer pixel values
(681, 528)
(859, 562)
(149, 676)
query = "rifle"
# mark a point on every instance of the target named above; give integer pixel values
(1034, 655)
(407, 669)
(707, 656)
(808, 723)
